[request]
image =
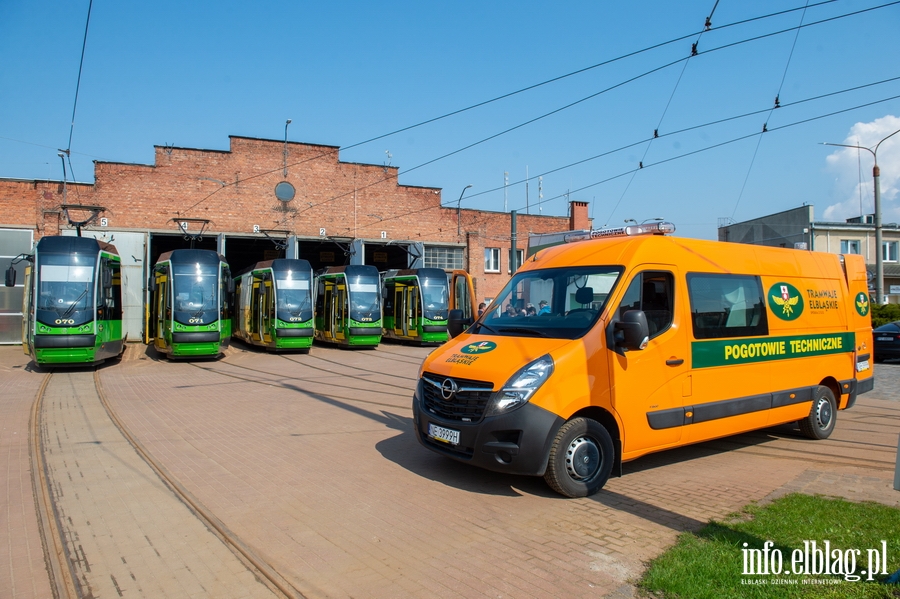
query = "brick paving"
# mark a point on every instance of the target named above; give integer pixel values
(312, 461)
(22, 571)
(116, 512)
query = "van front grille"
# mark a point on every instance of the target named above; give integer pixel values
(466, 402)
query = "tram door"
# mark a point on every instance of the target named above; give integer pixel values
(162, 310)
(340, 312)
(400, 309)
(28, 309)
(328, 317)
(266, 309)
(255, 298)
(410, 322)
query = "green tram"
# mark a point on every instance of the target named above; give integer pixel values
(188, 312)
(72, 303)
(348, 306)
(273, 305)
(416, 303)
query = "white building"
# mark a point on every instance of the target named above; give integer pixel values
(797, 228)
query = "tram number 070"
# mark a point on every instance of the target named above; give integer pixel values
(64, 321)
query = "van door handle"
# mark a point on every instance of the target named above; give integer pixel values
(674, 362)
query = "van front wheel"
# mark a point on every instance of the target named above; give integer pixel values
(581, 458)
(822, 415)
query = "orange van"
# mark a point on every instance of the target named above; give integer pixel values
(640, 341)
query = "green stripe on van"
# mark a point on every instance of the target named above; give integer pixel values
(706, 354)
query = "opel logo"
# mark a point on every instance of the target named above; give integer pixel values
(448, 389)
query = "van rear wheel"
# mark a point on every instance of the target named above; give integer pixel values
(820, 422)
(581, 458)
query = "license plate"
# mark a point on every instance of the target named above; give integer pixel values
(445, 435)
(884, 339)
(860, 366)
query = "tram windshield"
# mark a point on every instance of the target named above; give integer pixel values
(195, 288)
(365, 300)
(65, 288)
(293, 296)
(435, 296)
(560, 303)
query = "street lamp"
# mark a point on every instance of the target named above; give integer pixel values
(458, 202)
(876, 175)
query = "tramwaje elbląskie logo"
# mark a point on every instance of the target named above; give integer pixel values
(785, 301)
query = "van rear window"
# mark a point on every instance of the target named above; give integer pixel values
(726, 306)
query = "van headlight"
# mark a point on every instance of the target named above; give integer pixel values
(521, 386)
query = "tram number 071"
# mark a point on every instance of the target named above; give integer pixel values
(195, 320)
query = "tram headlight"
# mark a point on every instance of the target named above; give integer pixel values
(521, 386)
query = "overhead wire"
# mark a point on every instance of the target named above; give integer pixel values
(622, 83)
(765, 125)
(545, 115)
(679, 156)
(583, 70)
(534, 86)
(707, 27)
(68, 150)
(743, 137)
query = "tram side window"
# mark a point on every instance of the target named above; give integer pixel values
(111, 291)
(462, 295)
(225, 298)
(320, 297)
(726, 306)
(388, 292)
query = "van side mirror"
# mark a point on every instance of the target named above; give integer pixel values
(632, 332)
(151, 283)
(11, 276)
(229, 287)
(457, 323)
(106, 276)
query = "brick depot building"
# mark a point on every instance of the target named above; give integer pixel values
(325, 211)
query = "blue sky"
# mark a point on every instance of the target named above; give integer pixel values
(190, 74)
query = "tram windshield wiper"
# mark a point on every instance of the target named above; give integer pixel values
(75, 303)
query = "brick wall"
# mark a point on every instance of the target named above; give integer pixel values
(234, 190)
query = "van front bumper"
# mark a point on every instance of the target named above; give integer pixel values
(514, 443)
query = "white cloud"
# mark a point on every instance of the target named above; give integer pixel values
(853, 172)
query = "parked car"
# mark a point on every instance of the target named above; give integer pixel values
(887, 341)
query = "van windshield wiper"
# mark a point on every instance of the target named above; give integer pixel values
(491, 329)
(534, 332)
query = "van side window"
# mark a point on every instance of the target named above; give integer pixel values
(726, 306)
(652, 292)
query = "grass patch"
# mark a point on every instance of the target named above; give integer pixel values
(711, 563)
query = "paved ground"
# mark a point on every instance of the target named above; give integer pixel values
(311, 461)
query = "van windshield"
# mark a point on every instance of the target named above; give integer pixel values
(561, 303)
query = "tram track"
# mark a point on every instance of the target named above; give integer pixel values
(786, 449)
(798, 454)
(344, 374)
(63, 581)
(296, 387)
(412, 359)
(70, 571)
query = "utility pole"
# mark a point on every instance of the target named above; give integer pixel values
(505, 190)
(879, 250)
(526, 191)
